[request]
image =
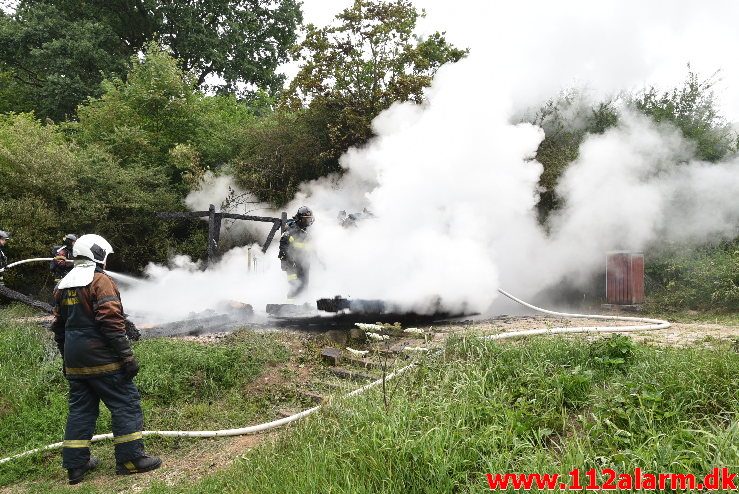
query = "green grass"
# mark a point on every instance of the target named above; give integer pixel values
(543, 405)
(17, 309)
(184, 385)
(540, 405)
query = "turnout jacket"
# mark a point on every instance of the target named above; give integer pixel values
(293, 244)
(89, 328)
(61, 267)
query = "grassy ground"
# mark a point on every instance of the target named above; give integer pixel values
(544, 405)
(185, 385)
(539, 405)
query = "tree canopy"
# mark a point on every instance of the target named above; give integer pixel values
(350, 71)
(365, 61)
(55, 53)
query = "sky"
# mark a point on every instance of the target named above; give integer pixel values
(607, 46)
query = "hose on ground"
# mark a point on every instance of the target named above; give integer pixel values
(651, 324)
(648, 324)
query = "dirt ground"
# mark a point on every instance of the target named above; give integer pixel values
(678, 334)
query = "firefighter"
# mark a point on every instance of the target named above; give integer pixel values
(4, 237)
(293, 252)
(89, 330)
(62, 263)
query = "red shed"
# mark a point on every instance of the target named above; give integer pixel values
(624, 278)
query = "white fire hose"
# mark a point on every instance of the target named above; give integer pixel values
(652, 324)
(118, 276)
(24, 261)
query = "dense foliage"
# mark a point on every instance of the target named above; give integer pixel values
(54, 54)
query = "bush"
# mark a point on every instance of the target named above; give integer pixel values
(704, 278)
(691, 108)
(51, 187)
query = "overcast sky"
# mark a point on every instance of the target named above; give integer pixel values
(606, 45)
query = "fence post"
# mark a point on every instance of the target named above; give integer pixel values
(214, 233)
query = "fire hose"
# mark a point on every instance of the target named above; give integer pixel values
(118, 276)
(24, 261)
(651, 325)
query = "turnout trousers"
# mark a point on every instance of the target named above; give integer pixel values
(124, 402)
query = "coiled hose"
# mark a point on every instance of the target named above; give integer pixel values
(652, 324)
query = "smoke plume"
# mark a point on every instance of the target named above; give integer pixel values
(453, 185)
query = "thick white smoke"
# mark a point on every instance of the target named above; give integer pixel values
(637, 185)
(183, 290)
(453, 185)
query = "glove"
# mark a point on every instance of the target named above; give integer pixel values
(130, 367)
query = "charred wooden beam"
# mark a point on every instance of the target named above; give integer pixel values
(276, 226)
(265, 219)
(214, 234)
(36, 304)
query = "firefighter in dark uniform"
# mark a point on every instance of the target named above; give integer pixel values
(293, 252)
(62, 263)
(99, 364)
(4, 237)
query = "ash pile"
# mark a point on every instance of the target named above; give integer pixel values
(227, 317)
(342, 311)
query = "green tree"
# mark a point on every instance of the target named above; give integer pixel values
(51, 186)
(278, 153)
(57, 52)
(53, 61)
(350, 72)
(692, 108)
(359, 66)
(158, 119)
(141, 120)
(566, 121)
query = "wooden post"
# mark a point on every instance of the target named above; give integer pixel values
(214, 226)
(214, 233)
(283, 226)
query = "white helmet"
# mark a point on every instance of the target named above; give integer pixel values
(93, 247)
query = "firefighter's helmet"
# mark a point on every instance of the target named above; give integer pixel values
(93, 247)
(304, 217)
(69, 239)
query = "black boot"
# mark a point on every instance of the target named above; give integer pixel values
(76, 475)
(139, 465)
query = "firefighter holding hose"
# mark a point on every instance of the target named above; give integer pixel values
(293, 252)
(4, 237)
(62, 263)
(89, 330)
